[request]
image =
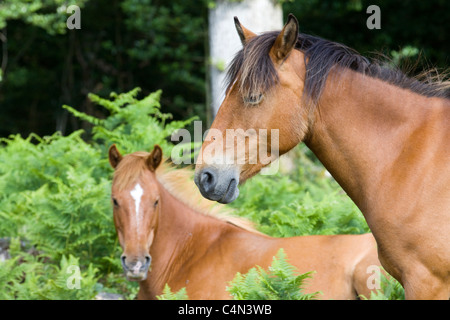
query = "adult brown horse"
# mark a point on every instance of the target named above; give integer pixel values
(164, 223)
(383, 136)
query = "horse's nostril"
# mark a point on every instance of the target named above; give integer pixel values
(206, 177)
(233, 183)
(207, 180)
(123, 258)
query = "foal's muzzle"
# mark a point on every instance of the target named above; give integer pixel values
(218, 184)
(136, 269)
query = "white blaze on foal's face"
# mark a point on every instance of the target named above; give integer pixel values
(136, 194)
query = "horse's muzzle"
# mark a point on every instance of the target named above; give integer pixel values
(218, 184)
(136, 269)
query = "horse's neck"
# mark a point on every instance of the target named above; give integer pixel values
(361, 128)
(179, 239)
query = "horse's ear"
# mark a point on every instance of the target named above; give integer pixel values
(243, 32)
(154, 159)
(114, 156)
(286, 40)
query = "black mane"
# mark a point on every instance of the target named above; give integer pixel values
(257, 74)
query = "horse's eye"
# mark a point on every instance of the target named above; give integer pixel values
(156, 203)
(114, 200)
(253, 99)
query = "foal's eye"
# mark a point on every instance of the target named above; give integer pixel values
(116, 204)
(156, 203)
(253, 99)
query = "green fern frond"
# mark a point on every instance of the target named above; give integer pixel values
(167, 294)
(280, 282)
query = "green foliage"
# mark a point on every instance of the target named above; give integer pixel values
(334, 214)
(280, 282)
(47, 14)
(55, 166)
(73, 215)
(29, 277)
(132, 124)
(169, 295)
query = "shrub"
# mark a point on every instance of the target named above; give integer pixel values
(28, 277)
(134, 125)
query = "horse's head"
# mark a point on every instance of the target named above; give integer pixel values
(135, 197)
(261, 116)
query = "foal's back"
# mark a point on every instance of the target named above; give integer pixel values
(341, 263)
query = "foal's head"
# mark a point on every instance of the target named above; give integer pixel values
(264, 92)
(135, 197)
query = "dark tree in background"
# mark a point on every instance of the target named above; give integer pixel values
(420, 24)
(162, 45)
(121, 45)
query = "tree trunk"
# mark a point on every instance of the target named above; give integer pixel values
(224, 42)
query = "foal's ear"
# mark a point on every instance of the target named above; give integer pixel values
(114, 156)
(243, 32)
(154, 159)
(286, 40)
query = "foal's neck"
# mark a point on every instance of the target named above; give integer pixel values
(361, 127)
(179, 239)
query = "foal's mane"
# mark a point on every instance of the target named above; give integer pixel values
(257, 74)
(179, 182)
